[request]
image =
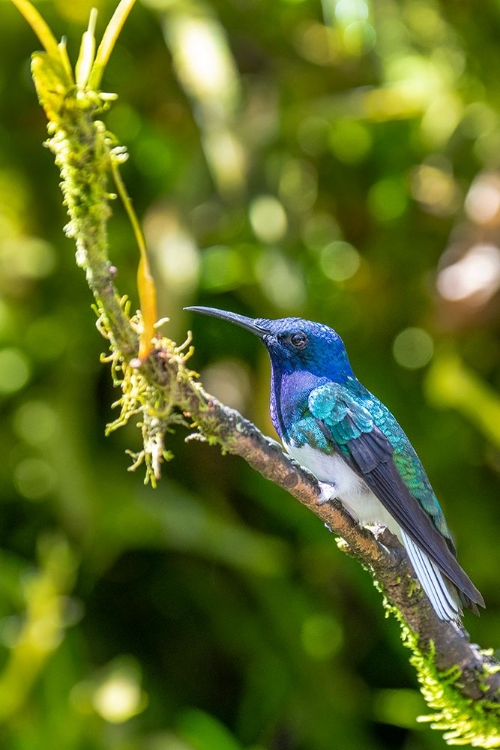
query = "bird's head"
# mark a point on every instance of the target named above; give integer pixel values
(295, 344)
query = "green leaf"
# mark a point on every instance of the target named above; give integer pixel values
(205, 732)
(108, 42)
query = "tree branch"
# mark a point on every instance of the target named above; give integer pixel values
(458, 679)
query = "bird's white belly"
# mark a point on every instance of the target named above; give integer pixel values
(350, 489)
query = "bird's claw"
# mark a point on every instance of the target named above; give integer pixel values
(328, 492)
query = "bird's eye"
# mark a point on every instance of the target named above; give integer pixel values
(299, 340)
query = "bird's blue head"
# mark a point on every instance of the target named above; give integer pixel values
(295, 345)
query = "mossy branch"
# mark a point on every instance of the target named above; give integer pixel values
(459, 680)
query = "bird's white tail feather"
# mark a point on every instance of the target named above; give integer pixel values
(433, 582)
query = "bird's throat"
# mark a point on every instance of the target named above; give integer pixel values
(289, 399)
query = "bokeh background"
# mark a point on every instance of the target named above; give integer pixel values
(339, 161)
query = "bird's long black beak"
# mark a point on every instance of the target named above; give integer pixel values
(241, 320)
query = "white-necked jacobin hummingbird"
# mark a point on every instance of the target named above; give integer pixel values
(331, 424)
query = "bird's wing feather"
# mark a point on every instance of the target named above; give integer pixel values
(368, 452)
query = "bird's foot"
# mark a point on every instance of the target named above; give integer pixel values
(383, 535)
(328, 492)
(275, 444)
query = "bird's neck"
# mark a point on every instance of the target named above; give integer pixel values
(290, 391)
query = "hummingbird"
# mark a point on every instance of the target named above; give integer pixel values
(350, 441)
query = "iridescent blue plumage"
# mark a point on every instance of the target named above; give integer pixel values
(334, 426)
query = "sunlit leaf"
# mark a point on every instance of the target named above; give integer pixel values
(56, 52)
(87, 52)
(108, 42)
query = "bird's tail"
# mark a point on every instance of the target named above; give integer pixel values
(442, 594)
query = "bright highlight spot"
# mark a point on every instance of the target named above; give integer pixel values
(413, 348)
(14, 370)
(175, 250)
(476, 274)
(352, 20)
(347, 11)
(339, 260)
(179, 262)
(268, 218)
(119, 698)
(207, 71)
(201, 57)
(483, 199)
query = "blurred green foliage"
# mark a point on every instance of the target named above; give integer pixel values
(338, 161)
